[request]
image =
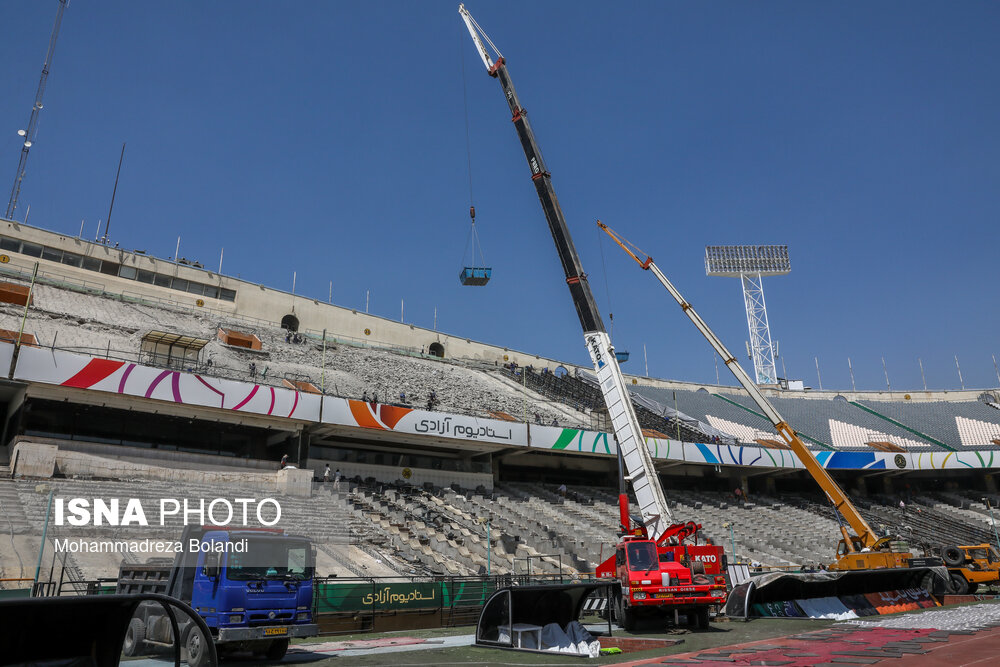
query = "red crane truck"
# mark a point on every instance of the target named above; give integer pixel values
(688, 577)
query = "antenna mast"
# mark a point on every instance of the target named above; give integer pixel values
(107, 226)
(29, 134)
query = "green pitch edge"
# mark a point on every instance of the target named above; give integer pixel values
(902, 426)
(754, 412)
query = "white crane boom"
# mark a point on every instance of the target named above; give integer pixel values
(637, 463)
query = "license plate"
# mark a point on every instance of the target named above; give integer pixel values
(661, 596)
(275, 631)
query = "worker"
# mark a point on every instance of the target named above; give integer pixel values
(284, 460)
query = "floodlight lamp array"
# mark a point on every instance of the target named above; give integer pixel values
(738, 260)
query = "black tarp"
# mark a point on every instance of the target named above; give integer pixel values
(532, 605)
(783, 586)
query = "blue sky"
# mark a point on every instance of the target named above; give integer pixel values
(328, 138)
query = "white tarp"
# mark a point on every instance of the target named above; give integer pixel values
(828, 608)
(574, 639)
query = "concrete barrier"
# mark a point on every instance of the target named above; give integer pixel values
(31, 459)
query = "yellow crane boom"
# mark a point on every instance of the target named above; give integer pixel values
(864, 536)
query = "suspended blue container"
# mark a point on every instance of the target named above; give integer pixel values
(622, 357)
(475, 275)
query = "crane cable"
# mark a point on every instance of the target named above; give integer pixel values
(473, 235)
(485, 36)
(607, 290)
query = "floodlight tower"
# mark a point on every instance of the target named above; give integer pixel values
(750, 263)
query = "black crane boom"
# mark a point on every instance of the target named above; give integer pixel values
(576, 279)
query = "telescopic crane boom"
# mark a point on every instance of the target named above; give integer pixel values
(631, 445)
(864, 536)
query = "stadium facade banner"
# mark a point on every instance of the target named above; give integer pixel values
(131, 379)
(68, 369)
(378, 596)
(402, 419)
(573, 440)
(596, 442)
(357, 596)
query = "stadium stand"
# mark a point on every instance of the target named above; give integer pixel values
(958, 424)
(107, 327)
(586, 396)
(839, 423)
(370, 528)
(326, 519)
(710, 409)
(921, 523)
(836, 423)
(381, 530)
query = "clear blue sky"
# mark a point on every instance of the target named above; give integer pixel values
(328, 138)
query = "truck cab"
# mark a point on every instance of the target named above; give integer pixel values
(655, 578)
(252, 587)
(971, 566)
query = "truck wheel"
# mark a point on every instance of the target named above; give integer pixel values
(934, 584)
(959, 584)
(953, 556)
(277, 649)
(629, 618)
(134, 637)
(194, 644)
(701, 618)
(617, 611)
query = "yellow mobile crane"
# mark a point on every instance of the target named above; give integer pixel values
(860, 549)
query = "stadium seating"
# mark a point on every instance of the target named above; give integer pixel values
(710, 409)
(583, 395)
(958, 424)
(826, 424)
(325, 519)
(107, 326)
(380, 530)
(368, 529)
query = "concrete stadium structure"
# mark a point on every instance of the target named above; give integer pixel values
(139, 376)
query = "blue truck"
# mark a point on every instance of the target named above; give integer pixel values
(253, 588)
